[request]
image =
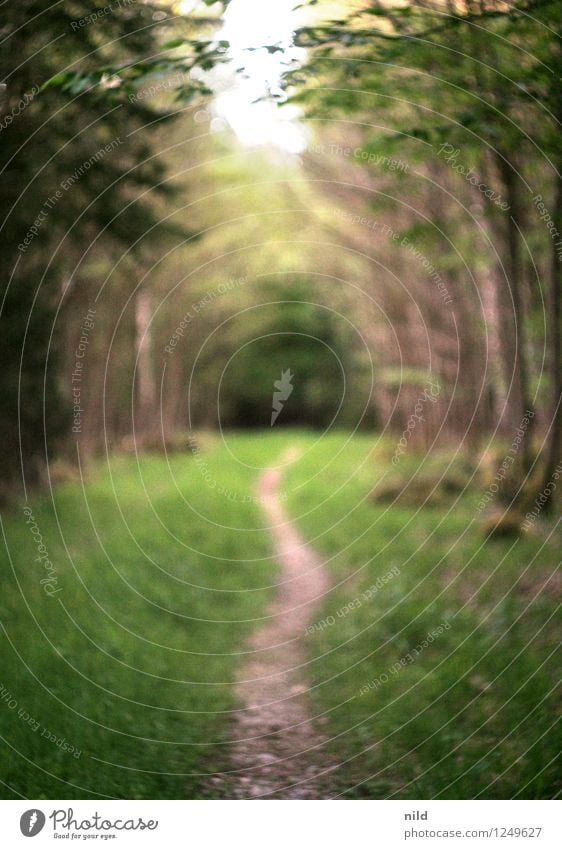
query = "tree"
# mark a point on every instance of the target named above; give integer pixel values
(76, 171)
(474, 85)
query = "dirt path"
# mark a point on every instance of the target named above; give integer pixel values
(278, 753)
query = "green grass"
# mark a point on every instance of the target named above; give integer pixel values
(475, 712)
(163, 577)
(158, 593)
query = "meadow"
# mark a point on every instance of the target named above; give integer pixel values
(431, 662)
(473, 713)
(132, 662)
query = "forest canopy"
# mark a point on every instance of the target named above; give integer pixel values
(431, 169)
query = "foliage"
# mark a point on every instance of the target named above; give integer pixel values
(467, 94)
(76, 168)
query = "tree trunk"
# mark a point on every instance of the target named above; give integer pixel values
(514, 335)
(553, 449)
(145, 390)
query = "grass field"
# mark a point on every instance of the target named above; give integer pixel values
(473, 712)
(163, 570)
(157, 593)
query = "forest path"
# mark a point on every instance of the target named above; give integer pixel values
(278, 752)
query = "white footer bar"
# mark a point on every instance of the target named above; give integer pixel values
(282, 824)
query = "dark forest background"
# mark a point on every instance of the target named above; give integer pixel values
(431, 182)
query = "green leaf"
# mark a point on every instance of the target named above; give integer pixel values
(173, 43)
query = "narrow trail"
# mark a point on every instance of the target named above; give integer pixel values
(278, 753)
